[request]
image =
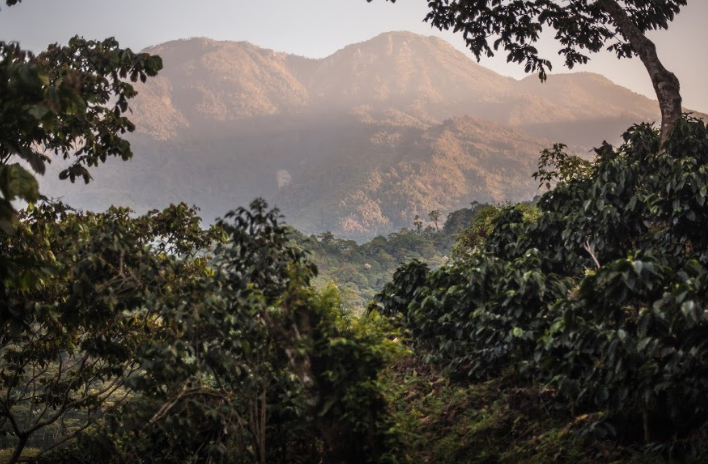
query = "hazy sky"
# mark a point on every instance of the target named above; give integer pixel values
(316, 28)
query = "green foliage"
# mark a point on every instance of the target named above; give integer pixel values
(478, 230)
(78, 315)
(362, 270)
(555, 165)
(337, 360)
(600, 291)
(407, 281)
(15, 183)
(504, 420)
(127, 326)
(68, 100)
(246, 362)
(350, 355)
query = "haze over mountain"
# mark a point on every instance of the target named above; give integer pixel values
(357, 143)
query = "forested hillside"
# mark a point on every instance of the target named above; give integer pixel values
(570, 328)
(361, 270)
(357, 143)
(487, 354)
(589, 303)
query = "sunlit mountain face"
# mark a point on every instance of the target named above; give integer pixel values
(357, 143)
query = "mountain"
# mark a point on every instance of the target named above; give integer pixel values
(358, 142)
(422, 76)
(383, 183)
(206, 82)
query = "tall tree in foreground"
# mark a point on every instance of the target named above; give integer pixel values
(73, 345)
(336, 359)
(69, 101)
(581, 27)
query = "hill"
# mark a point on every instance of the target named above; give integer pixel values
(382, 183)
(357, 142)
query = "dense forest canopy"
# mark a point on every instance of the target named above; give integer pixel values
(361, 270)
(598, 293)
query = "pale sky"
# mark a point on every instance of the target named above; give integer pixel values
(317, 28)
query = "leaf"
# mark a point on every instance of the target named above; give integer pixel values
(638, 266)
(688, 309)
(643, 323)
(36, 160)
(17, 183)
(39, 111)
(327, 406)
(622, 335)
(632, 203)
(643, 343)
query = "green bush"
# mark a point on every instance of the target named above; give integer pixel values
(600, 290)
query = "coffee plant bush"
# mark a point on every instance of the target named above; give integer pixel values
(598, 292)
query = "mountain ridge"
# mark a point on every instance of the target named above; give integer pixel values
(358, 142)
(465, 82)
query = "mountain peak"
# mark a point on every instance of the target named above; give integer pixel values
(196, 45)
(360, 141)
(207, 81)
(394, 42)
(406, 35)
(418, 74)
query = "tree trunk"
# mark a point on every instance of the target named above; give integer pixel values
(646, 427)
(338, 437)
(666, 84)
(17, 454)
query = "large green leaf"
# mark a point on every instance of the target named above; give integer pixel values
(18, 183)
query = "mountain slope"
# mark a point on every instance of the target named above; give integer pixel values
(358, 142)
(423, 76)
(381, 184)
(207, 82)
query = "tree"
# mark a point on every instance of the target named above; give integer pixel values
(74, 342)
(418, 224)
(69, 101)
(337, 360)
(64, 348)
(434, 216)
(580, 26)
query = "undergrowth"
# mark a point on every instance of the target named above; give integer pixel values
(503, 420)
